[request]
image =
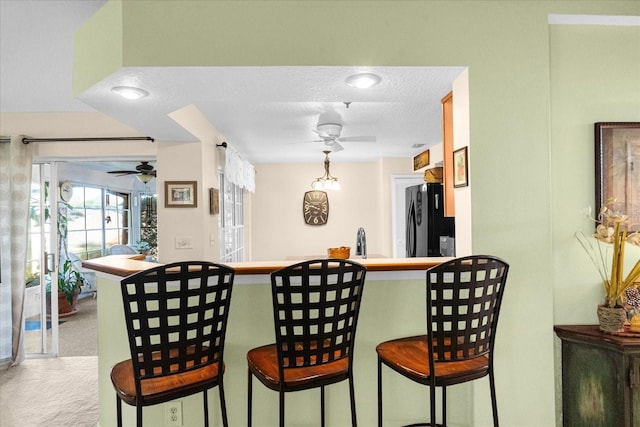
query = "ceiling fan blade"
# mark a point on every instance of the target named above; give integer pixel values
(357, 139)
(335, 146)
(123, 172)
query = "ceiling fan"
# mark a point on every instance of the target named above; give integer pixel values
(144, 172)
(330, 135)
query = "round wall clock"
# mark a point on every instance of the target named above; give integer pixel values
(315, 207)
(66, 191)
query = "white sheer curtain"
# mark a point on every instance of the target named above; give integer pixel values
(15, 190)
(238, 170)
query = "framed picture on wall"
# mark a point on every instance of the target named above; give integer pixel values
(214, 203)
(180, 194)
(421, 160)
(460, 168)
(617, 149)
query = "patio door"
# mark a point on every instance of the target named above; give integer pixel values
(41, 309)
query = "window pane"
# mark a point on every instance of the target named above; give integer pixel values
(93, 219)
(93, 197)
(112, 237)
(94, 239)
(231, 221)
(76, 241)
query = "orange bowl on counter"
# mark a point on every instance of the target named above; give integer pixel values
(343, 252)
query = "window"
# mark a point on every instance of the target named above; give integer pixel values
(231, 221)
(97, 219)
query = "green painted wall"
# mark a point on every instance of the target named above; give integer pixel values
(515, 173)
(595, 77)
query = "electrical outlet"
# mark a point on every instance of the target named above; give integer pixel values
(173, 413)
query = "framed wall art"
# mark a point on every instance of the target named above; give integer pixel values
(460, 168)
(617, 149)
(214, 202)
(180, 194)
(421, 160)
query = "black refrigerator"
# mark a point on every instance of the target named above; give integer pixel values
(425, 220)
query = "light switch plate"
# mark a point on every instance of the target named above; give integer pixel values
(183, 242)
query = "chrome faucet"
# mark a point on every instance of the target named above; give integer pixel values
(361, 243)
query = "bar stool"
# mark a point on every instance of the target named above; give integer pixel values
(176, 317)
(315, 309)
(463, 302)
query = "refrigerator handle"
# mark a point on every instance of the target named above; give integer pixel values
(410, 242)
(437, 201)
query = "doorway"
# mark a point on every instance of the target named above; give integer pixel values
(40, 309)
(398, 215)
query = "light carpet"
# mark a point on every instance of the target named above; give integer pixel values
(55, 392)
(51, 392)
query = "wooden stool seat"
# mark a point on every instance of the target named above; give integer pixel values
(159, 389)
(263, 363)
(408, 356)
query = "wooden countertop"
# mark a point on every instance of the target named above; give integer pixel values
(372, 264)
(119, 265)
(125, 265)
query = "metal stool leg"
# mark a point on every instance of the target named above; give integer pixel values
(281, 396)
(205, 406)
(322, 406)
(223, 404)
(354, 419)
(379, 393)
(444, 406)
(494, 402)
(432, 404)
(139, 415)
(249, 392)
(119, 411)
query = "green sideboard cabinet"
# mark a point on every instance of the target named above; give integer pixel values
(600, 378)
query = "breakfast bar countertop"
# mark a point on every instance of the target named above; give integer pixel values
(124, 265)
(395, 287)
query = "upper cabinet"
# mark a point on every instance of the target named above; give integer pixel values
(447, 154)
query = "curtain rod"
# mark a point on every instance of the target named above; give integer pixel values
(114, 138)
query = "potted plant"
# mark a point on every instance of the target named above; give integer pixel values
(612, 231)
(69, 283)
(69, 279)
(143, 247)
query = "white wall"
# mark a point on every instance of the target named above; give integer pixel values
(461, 138)
(278, 230)
(193, 161)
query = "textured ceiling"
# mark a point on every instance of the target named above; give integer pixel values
(267, 113)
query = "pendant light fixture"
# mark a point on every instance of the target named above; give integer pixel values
(326, 182)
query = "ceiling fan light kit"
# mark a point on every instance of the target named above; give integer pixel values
(326, 182)
(329, 130)
(330, 135)
(363, 80)
(144, 178)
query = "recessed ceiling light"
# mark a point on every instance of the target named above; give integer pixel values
(417, 145)
(129, 92)
(363, 80)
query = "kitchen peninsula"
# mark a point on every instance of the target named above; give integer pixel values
(392, 306)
